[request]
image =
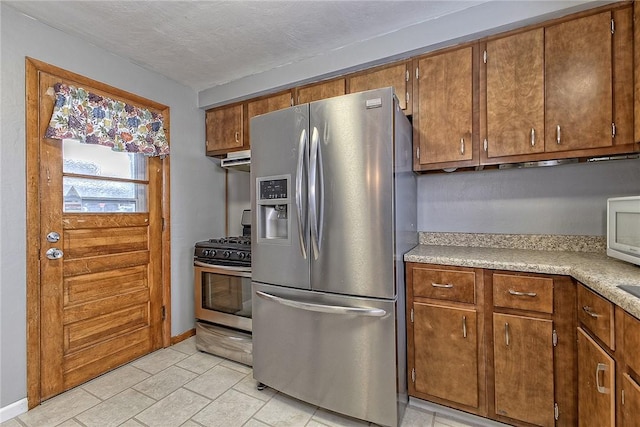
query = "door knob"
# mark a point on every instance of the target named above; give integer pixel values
(53, 237)
(54, 253)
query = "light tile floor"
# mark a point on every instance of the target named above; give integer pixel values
(180, 386)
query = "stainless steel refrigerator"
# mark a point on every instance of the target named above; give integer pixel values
(334, 210)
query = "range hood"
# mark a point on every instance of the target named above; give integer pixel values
(239, 160)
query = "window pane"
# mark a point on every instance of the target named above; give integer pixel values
(97, 195)
(98, 160)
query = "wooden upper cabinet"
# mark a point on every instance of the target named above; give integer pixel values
(444, 116)
(269, 103)
(515, 94)
(320, 91)
(396, 76)
(224, 130)
(579, 98)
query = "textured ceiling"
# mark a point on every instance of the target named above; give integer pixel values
(203, 44)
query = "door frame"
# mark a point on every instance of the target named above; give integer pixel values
(33, 216)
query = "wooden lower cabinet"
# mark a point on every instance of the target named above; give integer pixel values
(630, 402)
(596, 384)
(523, 368)
(446, 365)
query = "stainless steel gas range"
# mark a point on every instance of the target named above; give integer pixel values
(222, 273)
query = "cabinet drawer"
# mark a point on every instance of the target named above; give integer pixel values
(596, 314)
(523, 292)
(447, 285)
(632, 342)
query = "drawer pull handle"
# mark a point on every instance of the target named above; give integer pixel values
(507, 337)
(589, 311)
(601, 367)
(522, 294)
(441, 285)
(464, 326)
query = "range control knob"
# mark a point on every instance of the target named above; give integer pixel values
(212, 253)
(205, 252)
(241, 255)
(226, 254)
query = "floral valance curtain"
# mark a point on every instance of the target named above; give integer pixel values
(94, 119)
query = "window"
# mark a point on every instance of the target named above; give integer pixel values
(97, 179)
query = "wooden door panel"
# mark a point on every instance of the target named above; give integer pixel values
(445, 96)
(102, 357)
(446, 361)
(595, 408)
(515, 94)
(83, 333)
(578, 66)
(96, 264)
(104, 306)
(523, 368)
(89, 287)
(104, 241)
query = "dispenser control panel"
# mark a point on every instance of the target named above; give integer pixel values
(273, 189)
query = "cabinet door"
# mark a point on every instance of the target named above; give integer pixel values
(268, 104)
(224, 130)
(596, 384)
(578, 79)
(515, 94)
(396, 76)
(523, 368)
(445, 107)
(446, 353)
(320, 91)
(630, 402)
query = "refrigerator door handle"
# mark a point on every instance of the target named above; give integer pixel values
(313, 187)
(323, 308)
(302, 149)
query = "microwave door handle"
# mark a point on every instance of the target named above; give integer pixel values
(323, 308)
(302, 149)
(313, 204)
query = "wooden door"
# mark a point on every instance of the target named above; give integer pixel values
(523, 368)
(224, 127)
(396, 76)
(630, 402)
(445, 107)
(320, 91)
(515, 94)
(99, 304)
(596, 384)
(446, 353)
(578, 84)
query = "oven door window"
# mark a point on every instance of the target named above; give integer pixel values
(226, 294)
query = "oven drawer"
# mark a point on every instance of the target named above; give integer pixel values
(224, 342)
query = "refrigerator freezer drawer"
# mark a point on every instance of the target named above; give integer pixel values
(337, 352)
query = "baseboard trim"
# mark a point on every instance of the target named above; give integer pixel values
(183, 336)
(13, 410)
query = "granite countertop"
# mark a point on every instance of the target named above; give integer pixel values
(594, 269)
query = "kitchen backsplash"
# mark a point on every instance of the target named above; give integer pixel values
(541, 242)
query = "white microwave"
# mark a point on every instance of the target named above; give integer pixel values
(623, 228)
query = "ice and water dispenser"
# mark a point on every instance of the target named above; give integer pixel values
(274, 209)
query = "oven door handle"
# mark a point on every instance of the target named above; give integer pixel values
(323, 308)
(223, 269)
